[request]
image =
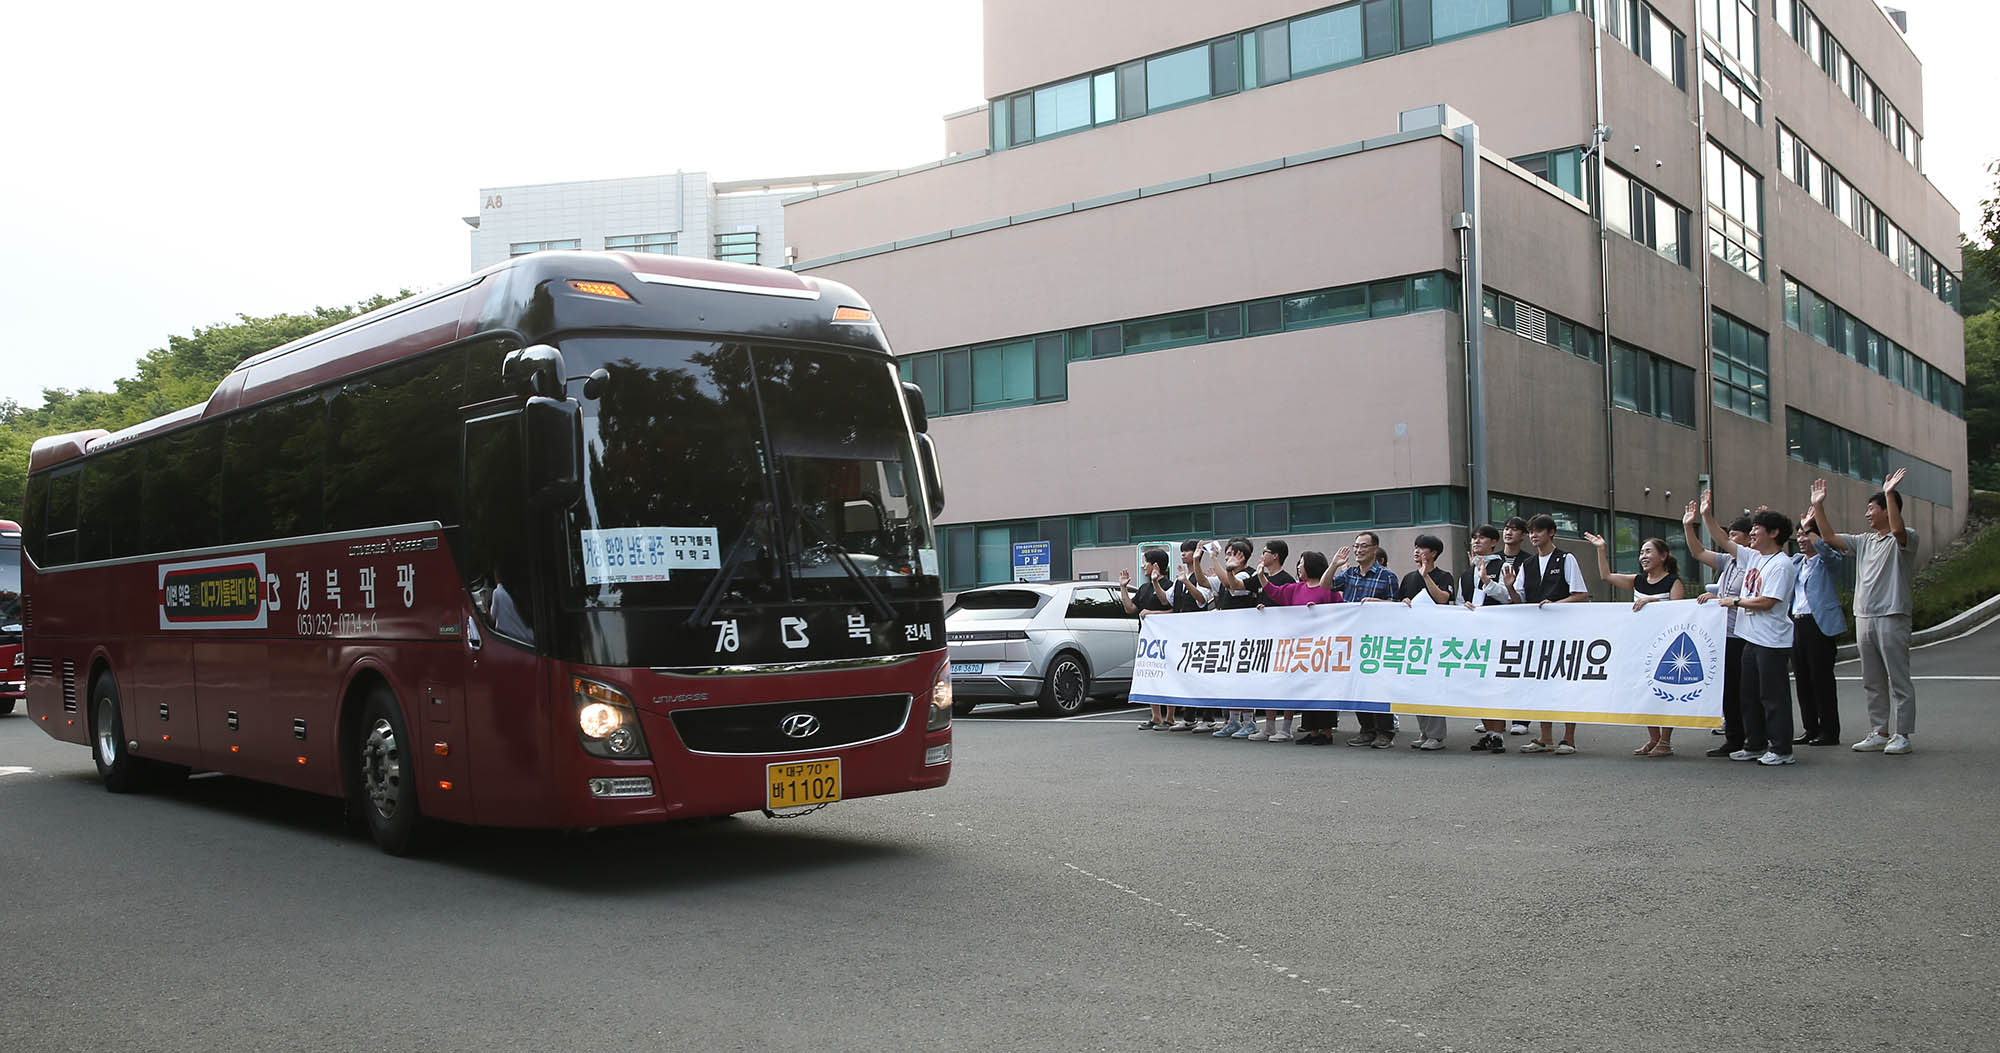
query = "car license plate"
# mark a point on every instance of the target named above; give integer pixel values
(973, 668)
(803, 782)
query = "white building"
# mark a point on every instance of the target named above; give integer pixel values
(682, 213)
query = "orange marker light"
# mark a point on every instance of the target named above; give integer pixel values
(444, 784)
(166, 738)
(853, 314)
(235, 749)
(442, 749)
(302, 760)
(601, 289)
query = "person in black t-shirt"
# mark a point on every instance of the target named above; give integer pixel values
(1428, 584)
(1149, 597)
(1235, 586)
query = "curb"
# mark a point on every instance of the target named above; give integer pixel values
(1943, 630)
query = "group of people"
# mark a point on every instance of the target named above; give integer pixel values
(1778, 582)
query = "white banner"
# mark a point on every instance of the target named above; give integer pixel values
(1591, 663)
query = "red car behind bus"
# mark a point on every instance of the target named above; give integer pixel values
(587, 539)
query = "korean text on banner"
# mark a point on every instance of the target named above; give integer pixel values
(1581, 662)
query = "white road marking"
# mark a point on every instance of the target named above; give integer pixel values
(16, 771)
(1856, 679)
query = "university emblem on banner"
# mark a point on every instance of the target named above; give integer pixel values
(1676, 664)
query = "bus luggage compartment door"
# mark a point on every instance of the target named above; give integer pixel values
(158, 695)
(441, 751)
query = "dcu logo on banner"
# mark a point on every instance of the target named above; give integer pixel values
(1678, 673)
(223, 593)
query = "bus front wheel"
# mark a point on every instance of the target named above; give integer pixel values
(385, 783)
(120, 770)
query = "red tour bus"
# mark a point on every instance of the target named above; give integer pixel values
(587, 539)
(13, 670)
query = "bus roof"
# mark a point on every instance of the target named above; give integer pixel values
(535, 296)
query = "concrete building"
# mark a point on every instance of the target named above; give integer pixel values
(683, 214)
(1203, 269)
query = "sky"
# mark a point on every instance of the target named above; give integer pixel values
(173, 166)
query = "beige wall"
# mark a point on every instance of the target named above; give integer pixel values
(1546, 107)
(1030, 43)
(1372, 215)
(966, 133)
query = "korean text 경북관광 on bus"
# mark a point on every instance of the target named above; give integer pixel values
(588, 539)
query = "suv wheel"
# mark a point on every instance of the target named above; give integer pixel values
(1066, 687)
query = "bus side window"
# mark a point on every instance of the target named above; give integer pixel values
(59, 529)
(391, 436)
(272, 468)
(179, 505)
(492, 545)
(108, 506)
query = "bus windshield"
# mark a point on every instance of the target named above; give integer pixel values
(10, 586)
(787, 472)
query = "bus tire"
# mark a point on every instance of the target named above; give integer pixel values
(1066, 687)
(961, 707)
(121, 771)
(6, 706)
(385, 776)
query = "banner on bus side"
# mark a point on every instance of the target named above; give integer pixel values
(226, 593)
(1581, 662)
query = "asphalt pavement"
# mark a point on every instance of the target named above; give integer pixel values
(1078, 885)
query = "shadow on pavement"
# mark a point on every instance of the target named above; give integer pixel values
(609, 861)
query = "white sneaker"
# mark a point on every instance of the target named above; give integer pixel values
(1281, 736)
(1260, 736)
(1774, 758)
(1898, 745)
(1517, 728)
(1430, 744)
(1180, 725)
(1745, 755)
(1874, 743)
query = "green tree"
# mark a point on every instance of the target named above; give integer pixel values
(183, 373)
(1982, 398)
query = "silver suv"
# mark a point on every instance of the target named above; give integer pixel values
(1059, 644)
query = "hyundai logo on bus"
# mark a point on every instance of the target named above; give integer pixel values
(799, 725)
(223, 593)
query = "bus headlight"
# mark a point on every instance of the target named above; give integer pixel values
(940, 700)
(606, 723)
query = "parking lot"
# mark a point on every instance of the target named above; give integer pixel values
(1079, 884)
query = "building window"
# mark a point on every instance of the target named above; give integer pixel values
(1797, 21)
(1648, 35)
(1563, 169)
(1530, 322)
(1798, 162)
(1742, 367)
(1177, 78)
(737, 246)
(1328, 39)
(663, 244)
(522, 248)
(1450, 18)
(1831, 326)
(1735, 211)
(1062, 107)
(1637, 211)
(1646, 383)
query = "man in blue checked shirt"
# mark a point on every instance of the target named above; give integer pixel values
(1361, 577)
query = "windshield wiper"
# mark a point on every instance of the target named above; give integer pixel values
(732, 561)
(840, 556)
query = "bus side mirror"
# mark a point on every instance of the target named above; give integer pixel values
(914, 396)
(927, 462)
(555, 451)
(536, 370)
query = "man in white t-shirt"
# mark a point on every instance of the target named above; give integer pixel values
(1764, 622)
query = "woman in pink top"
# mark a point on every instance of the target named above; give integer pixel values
(1311, 588)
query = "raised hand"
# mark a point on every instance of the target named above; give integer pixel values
(1689, 514)
(1895, 477)
(1125, 576)
(1819, 491)
(1593, 539)
(1508, 572)
(1707, 501)
(1346, 552)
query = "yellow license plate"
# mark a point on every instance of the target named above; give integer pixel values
(803, 782)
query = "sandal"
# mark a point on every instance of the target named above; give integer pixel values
(1647, 749)
(1662, 749)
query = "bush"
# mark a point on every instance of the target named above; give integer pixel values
(1969, 577)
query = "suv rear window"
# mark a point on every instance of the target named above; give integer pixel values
(998, 603)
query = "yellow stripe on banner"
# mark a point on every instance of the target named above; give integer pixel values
(1559, 716)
